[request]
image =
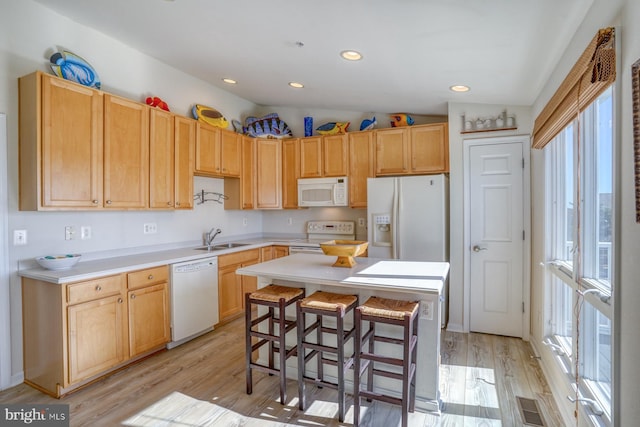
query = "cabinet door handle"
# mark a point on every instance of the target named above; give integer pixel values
(95, 202)
(119, 300)
(98, 288)
(168, 203)
(133, 296)
(177, 203)
(150, 277)
(109, 202)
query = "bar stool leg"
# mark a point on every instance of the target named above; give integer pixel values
(271, 343)
(372, 328)
(408, 332)
(340, 365)
(247, 320)
(282, 329)
(300, 320)
(414, 358)
(357, 346)
(320, 365)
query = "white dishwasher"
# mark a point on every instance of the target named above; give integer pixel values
(194, 299)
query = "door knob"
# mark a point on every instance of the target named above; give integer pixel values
(477, 248)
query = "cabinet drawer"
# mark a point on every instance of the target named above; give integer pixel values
(149, 276)
(252, 255)
(94, 289)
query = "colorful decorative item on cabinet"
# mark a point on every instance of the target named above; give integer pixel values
(308, 126)
(209, 115)
(401, 119)
(237, 126)
(72, 67)
(269, 126)
(368, 124)
(333, 128)
(157, 102)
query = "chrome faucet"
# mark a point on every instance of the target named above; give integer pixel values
(211, 235)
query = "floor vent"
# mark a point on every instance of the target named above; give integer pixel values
(530, 411)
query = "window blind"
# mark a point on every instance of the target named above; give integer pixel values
(594, 72)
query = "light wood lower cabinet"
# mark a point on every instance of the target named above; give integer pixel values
(75, 333)
(149, 318)
(232, 287)
(280, 250)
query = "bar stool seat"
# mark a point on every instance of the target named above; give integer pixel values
(271, 296)
(393, 312)
(324, 304)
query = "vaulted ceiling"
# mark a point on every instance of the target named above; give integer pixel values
(413, 50)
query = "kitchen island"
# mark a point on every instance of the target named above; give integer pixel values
(409, 280)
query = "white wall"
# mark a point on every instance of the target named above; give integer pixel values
(457, 250)
(623, 14)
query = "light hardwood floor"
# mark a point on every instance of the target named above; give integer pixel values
(480, 377)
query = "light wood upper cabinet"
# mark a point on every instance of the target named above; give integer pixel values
(82, 149)
(218, 152)
(326, 155)
(430, 148)
(335, 153)
(161, 159)
(268, 173)
(61, 157)
(311, 157)
(419, 149)
(184, 144)
(392, 151)
(290, 172)
(247, 180)
(126, 153)
(361, 167)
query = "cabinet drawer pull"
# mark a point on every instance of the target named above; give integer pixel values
(98, 288)
(119, 300)
(95, 202)
(150, 277)
(133, 296)
(177, 203)
(109, 202)
(168, 203)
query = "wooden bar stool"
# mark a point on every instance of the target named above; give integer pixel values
(324, 304)
(392, 312)
(272, 296)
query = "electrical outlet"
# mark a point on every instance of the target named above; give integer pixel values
(245, 221)
(426, 310)
(361, 222)
(85, 232)
(150, 228)
(289, 221)
(19, 237)
(69, 232)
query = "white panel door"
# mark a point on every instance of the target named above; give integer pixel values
(497, 239)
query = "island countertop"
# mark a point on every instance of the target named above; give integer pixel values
(408, 280)
(368, 273)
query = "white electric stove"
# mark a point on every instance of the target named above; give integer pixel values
(322, 231)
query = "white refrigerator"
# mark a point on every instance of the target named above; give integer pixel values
(408, 219)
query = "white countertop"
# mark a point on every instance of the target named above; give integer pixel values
(87, 270)
(411, 276)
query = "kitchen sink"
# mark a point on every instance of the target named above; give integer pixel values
(221, 246)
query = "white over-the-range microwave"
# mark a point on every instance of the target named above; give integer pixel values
(323, 191)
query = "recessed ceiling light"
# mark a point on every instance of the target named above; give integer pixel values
(296, 85)
(351, 55)
(459, 88)
(230, 81)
